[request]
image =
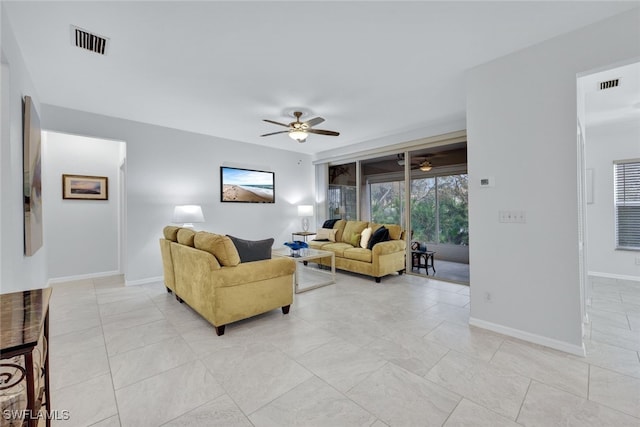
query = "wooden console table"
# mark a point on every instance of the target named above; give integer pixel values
(24, 319)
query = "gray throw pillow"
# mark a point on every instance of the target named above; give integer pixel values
(252, 250)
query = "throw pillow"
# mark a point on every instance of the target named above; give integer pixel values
(171, 232)
(327, 234)
(185, 236)
(365, 236)
(381, 235)
(355, 240)
(252, 250)
(330, 223)
(219, 246)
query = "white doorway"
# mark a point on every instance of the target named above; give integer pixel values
(609, 128)
(85, 238)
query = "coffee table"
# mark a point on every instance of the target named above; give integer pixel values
(307, 255)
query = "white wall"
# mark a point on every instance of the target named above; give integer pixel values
(17, 271)
(521, 126)
(604, 144)
(167, 167)
(81, 234)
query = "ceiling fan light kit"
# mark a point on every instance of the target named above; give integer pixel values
(426, 166)
(298, 135)
(298, 130)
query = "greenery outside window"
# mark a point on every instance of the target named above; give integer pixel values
(440, 209)
(387, 202)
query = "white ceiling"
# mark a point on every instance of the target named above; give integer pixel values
(371, 69)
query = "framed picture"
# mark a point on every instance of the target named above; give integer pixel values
(83, 187)
(32, 178)
(246, 185)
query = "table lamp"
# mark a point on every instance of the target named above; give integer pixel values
(187, 214)
(305, 211)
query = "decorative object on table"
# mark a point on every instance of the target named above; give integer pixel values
(246, 185)
(85, 187)
(305, 211)
(295, 247)
(187, 215)
(32, 175)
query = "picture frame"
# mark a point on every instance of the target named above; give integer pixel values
(239, 185)
(31, 177)
(85, 187)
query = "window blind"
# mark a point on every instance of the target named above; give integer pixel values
(627, 201)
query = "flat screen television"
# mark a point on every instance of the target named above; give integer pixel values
(246, 185)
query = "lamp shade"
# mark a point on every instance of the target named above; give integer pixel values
(187, 214)
(305, 210)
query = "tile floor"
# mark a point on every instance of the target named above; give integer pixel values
(357, 353)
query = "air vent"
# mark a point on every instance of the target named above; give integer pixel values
(86, 40)
(609, 84)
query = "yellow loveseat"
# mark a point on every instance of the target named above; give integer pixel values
(204, 270)
(382, 259)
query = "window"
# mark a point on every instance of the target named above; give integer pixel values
(387, 202)
(627, 203)
(439, 209)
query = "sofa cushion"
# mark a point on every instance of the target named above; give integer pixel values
(365, 236)
(252, 250)
(186, 236)
(395, 231)
(318, 244)
(352, 227)
(328, 234)
(171, 232)
(337, 248)
(339, 225)
(219, 246)
(380, 235)
(358, 254)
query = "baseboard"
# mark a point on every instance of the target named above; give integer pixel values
(144, 281)
(55, 280)
(528, 336)
(614, 276)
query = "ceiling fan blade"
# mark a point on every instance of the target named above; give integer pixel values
(314, 121)
(275, 133)
(275, 123)
(323, 132)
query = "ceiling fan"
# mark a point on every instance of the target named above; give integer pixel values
(300, 130)
(422, 162)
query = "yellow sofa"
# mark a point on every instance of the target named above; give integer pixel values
(382, 259)
(204, 270)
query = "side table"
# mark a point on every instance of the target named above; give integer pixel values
(24, 317)
(303, 234)
(423, 259)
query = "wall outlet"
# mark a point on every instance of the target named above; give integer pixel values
(638, 260)
(512, 216)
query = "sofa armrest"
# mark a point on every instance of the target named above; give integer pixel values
(388, 247)
(254, 271)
